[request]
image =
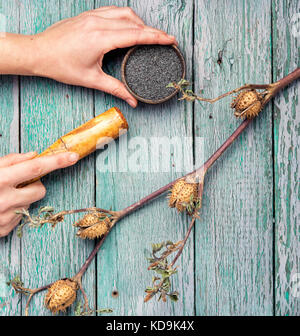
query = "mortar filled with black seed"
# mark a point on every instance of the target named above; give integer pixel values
(148, 69)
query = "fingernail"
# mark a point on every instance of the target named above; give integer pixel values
(173, 38)
(131, 102)
(73, 157)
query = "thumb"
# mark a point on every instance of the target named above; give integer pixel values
(113, 86)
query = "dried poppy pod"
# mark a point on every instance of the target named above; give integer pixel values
(247, 104)
(183, 195)
(61, 295)
(93, 225)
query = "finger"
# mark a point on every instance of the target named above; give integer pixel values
(130, 37)
(113, 86)
(109, 24)
(30, 194)
(119, 13)
(124, 13)
(103, 8)
(10, 221)
(15, 158)
(113, 24)
(11, 216)
(41, 166)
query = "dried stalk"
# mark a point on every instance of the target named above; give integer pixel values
(270, 91)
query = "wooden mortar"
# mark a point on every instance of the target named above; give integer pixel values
(88, 137)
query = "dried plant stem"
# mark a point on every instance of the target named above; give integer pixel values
(180, 246)
(225, 145)
(69, 212)
(200, 171)
(194, 217)
(175, 247)
(78, 280)
(34, 291)
(285, 81)
(91, 257)
(58, 217)
(184, 241)
(213, 100)
(272, 90)
(30, 292)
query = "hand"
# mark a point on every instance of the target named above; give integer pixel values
(71, 51)
(18, 168)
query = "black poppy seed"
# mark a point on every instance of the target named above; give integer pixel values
(150, 69)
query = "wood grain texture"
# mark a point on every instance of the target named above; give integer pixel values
(49, 110)
(286, 48)
(122, 261)
(234, 236)
(9, 143)
(230, 259)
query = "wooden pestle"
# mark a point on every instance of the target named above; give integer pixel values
(88, 137)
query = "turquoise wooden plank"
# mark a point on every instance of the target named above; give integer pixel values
(49, 110)
(286, 50)
(9, 143)
(122, 262)
(234, 236)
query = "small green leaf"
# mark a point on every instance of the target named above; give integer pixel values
(16, 280)
(154, 279)
(78, 309)
(170, 85)
(166, 285)
(151, 260)
(157, 247)
(104, 310)
(183, 82)
(46, 209)
(20, 231)
(189, 92)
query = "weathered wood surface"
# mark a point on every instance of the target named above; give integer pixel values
(234, 236)
(286, 160)
(10, 260)
(49, 110)
(239, 263)
(123, 253)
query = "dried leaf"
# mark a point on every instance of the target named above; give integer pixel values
(157, 247)
(46, 209)
(15, 281)
(174, 296)
(170, 85)
(104, 310)
(78, 309)
(183, 82)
